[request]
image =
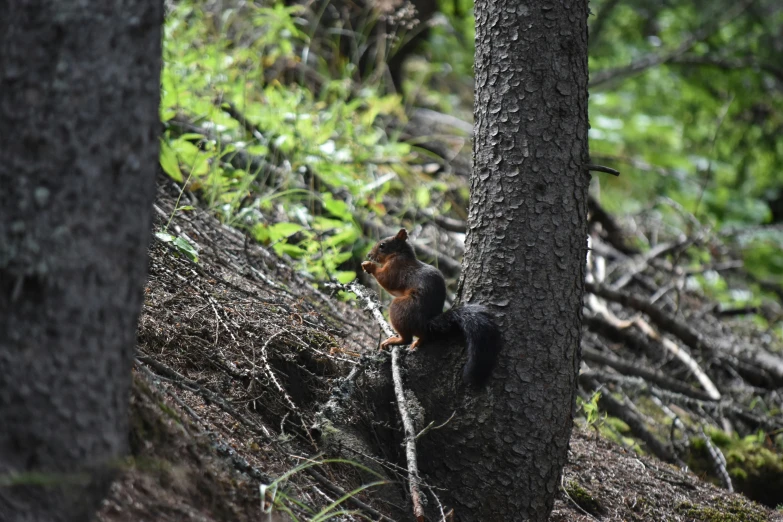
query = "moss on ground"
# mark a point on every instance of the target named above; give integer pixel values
(726, 511)
(583, 498)
(756, 470)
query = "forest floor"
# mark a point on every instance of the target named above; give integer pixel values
(237, 352)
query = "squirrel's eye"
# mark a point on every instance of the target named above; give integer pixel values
(383, 246)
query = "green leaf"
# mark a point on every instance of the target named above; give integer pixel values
(292, 250)
(192, 157)
(423, 197)
(344, 276)
(164, 236)
(260, 232)
(340, 257)
(280, 231)
(184, 246)
(168, 161)
(190, 136)
(322, 224)
(337, 208)
(345, 237)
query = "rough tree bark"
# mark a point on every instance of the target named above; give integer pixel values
(79, 95)
(501, 456)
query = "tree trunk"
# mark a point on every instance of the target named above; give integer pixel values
(501, 455)
(79, 96)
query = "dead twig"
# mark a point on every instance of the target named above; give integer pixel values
(431, 426)
(410, 436)
(440, 506)
(399, 392)
(718, 461)
(574, 502)
(672, 347)
(192, 386)
(633, 368)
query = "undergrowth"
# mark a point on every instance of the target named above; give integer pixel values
(314, 164)
(276, 497)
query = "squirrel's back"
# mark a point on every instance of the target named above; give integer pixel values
(430, 289)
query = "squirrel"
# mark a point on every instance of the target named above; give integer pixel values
(419, 292)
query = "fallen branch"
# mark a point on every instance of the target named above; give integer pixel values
(614, 233)
(716, 408)
(772, 364)
(633, 368)
(664, 320)
(399, 392)
(684, 357)
(639, 263)
(410, 436)
(672, 347)
(718, 461)
(192, 386)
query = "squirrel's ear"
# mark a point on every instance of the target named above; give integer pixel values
(402, 235)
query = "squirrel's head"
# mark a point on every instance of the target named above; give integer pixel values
(392, 246)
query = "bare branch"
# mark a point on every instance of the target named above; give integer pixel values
(601, 168)
(770, 363)
(684, 357)
(729, 64)
(399, 392)
(410, 436)
(718, 461)
(654, 59)
(633, 368)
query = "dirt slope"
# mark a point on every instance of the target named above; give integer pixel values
(238, 353)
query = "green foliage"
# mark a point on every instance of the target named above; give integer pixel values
(754, 462)
(734, 510)
(337, 135)
(702, 127)
(180, 243)
(699, 122)
(590, 409)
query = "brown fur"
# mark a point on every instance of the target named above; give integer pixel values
(419, 289)
(419, 292)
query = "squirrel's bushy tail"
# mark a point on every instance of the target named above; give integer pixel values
(482, 338)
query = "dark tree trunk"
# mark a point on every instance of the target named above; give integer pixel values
(79, 95)
(501, 456)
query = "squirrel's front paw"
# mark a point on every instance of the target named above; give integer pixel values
(368, 266)
(394, 339)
